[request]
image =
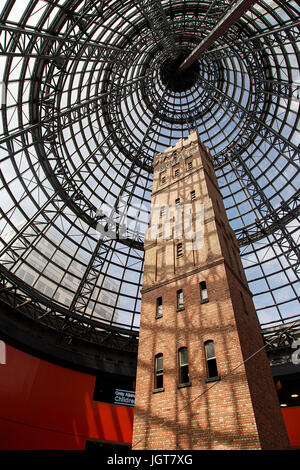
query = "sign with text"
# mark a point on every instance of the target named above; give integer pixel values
(124, 397)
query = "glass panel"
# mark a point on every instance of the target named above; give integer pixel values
(183, 356)
(159, 363)
(159, 381)
(209, 349)
(184, 375)
(100, 155)
(159, 306)
(180, 299)
(203, 290)
(212, 368)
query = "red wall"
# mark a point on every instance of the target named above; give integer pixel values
(47, 407)
(291, 418)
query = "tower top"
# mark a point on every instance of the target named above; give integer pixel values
(183, 147)
(192, 138)
(180, 144)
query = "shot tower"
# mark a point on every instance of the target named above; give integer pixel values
(203, 377)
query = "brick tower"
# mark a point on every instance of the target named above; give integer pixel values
(203, 377)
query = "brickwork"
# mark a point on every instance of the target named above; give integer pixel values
(237, 407)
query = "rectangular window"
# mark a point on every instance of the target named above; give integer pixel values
(203, 291)
(211, 362)
(159, 371)
(162, 211)
(176, 173)
(183, 366)
(179, 250)
(163, 177)
(177, 202)
(159, 307)
(193, 195)
(189, 166)
(180, 303)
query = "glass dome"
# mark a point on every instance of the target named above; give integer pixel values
(90, 91)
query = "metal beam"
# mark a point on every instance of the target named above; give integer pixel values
(116, 226)
(22, 42)
(233, 14)
(284, 146)
(286, 213)
(281, 234)
(156, 17)
(66, 116)
(292, 26)
(44, 310)
(45, 215)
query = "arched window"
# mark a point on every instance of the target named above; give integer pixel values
(183, 366)
(211, 361)
(159, 371)
(159, 307)
(203, 291)
(180, 302)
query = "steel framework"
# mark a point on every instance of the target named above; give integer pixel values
(86, 101)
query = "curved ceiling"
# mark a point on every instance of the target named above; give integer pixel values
(89, 92)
